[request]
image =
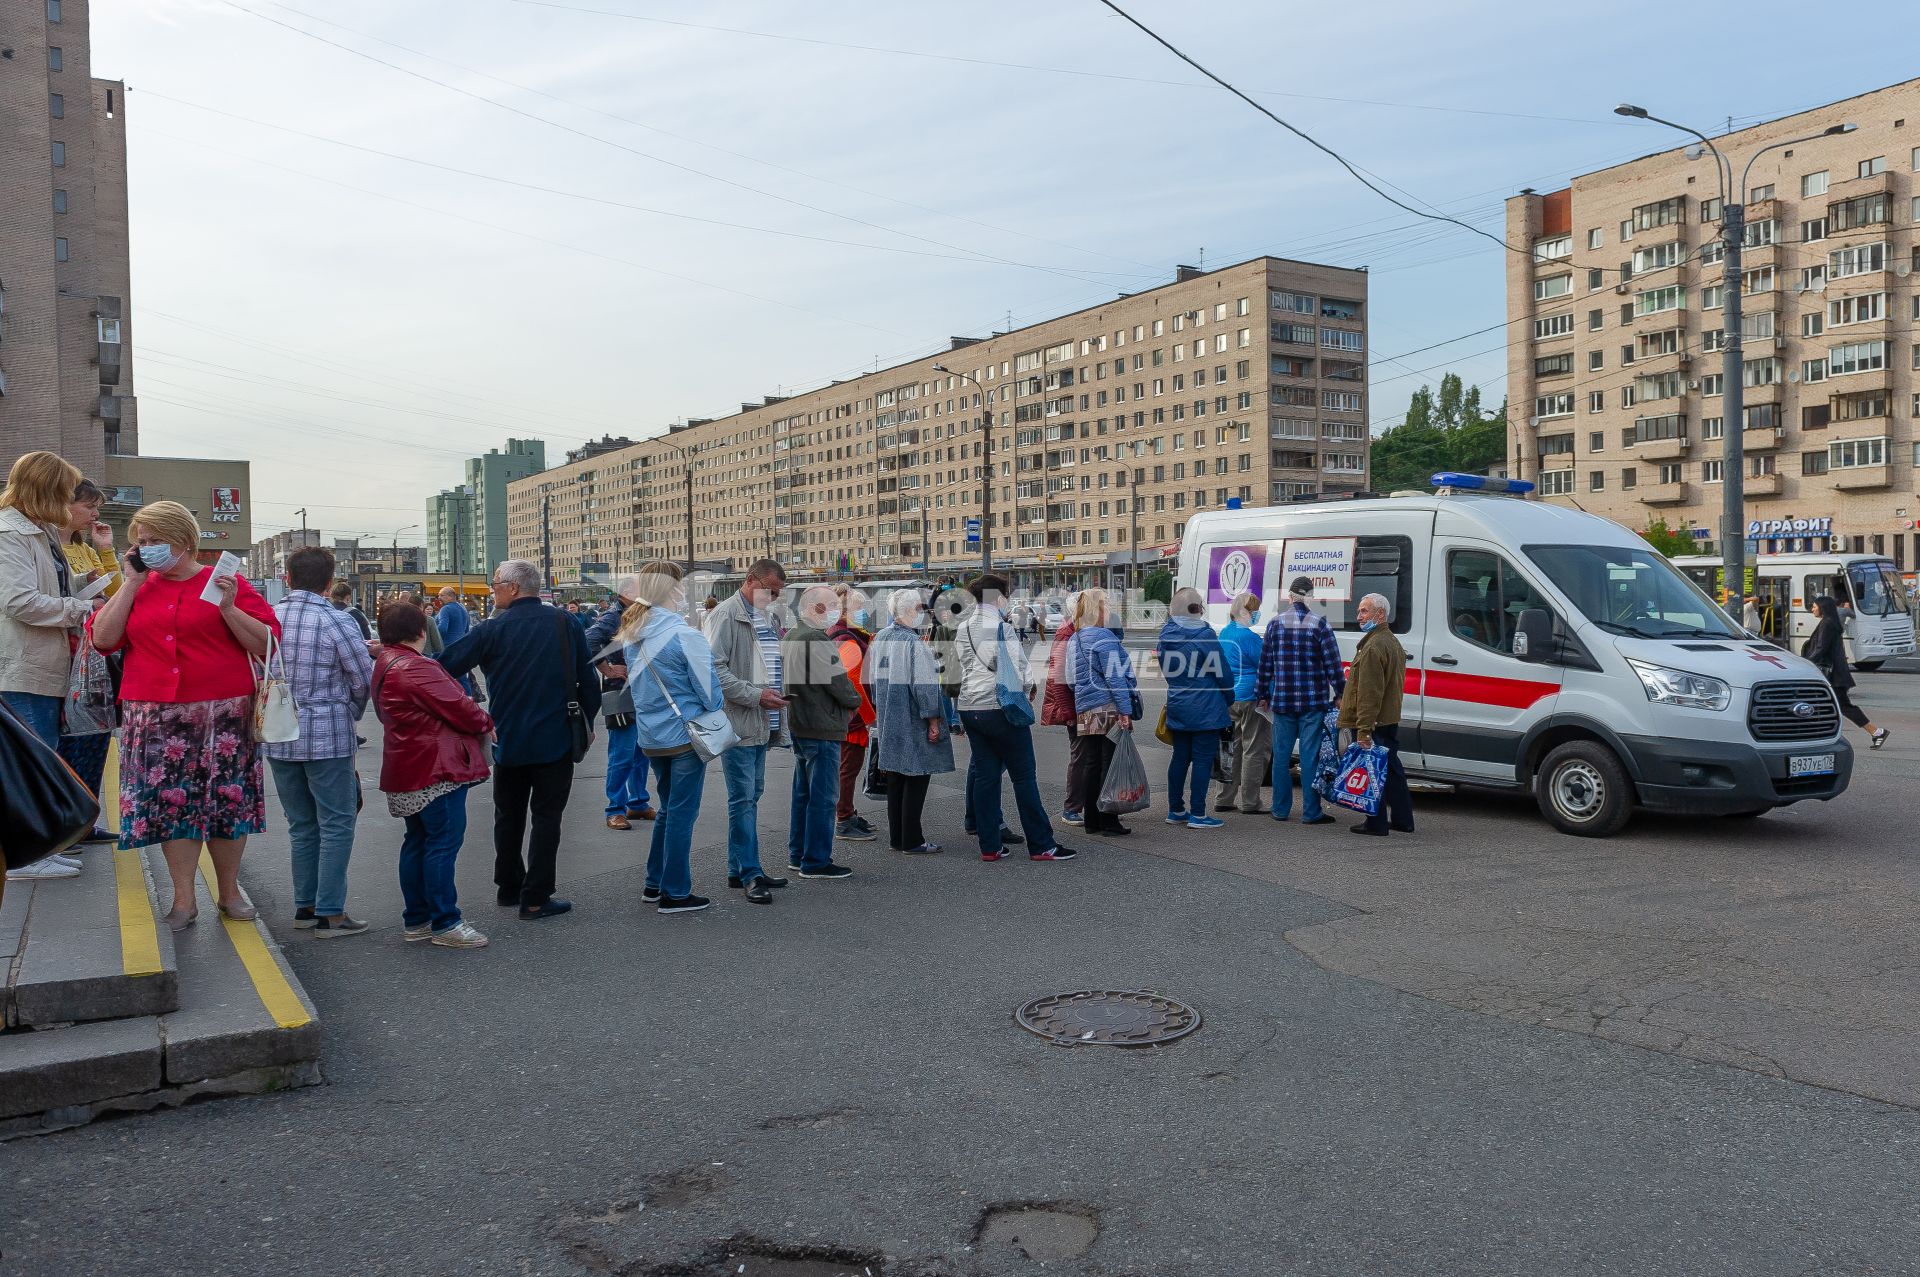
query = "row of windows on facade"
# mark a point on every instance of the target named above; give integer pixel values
(1843, 360)
(1841, 455)
(1836, 264)
(1861, 405)
(1855, 308)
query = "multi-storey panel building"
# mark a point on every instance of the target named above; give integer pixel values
(1110, 426)
(66, 378)
(1617, 341)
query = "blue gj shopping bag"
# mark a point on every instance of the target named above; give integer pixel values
(1363, 775)
(1327, 768)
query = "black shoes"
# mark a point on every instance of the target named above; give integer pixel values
(1058, 853)
(1007, 837)
(1117, 831)
(768, 879)
(683, 904)
(757, 893)
(552, 907)
(651, 895)
(827, 871)
(1321, 819)
(1371, 833)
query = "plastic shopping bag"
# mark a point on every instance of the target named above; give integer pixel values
(1125, 787)
(90, 707)
(1326, 768)
(1363, 775)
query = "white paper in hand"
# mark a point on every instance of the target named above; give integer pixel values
(229, 565)
(94, 588)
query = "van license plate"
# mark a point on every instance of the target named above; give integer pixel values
(1810, 765)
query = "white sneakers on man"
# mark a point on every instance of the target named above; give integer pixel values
(41, 870)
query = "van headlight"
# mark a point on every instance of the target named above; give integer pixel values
(1678, 687)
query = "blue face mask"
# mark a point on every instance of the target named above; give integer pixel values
(1367, 625)
(158, 558)
(860, 619)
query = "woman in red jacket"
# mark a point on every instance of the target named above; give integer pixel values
(1056, 710)
(435, 748)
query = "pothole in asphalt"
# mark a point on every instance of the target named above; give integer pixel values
(772, 1259)
(1107, 1017)
(1038, 1230)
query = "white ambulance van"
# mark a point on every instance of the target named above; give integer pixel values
(1547, 649)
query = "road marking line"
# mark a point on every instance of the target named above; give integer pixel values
(139, 935)
(276, 995)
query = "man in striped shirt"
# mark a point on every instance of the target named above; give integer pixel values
(1300, 679)
(745, 637)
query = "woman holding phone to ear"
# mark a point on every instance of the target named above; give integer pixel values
(190, 771)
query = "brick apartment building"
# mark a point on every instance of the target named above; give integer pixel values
(1616, 339)
(66, 376)
(1111, 426)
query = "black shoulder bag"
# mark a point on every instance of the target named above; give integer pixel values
(579, 730)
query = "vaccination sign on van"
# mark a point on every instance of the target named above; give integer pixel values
(1328, 561)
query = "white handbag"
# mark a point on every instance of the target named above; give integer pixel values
(276, 719)
(710, 733)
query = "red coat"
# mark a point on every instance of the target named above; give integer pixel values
(178, 649)
(435, 731)
(1056, 708)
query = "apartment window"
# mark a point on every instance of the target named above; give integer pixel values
(1758, 280)
(1628, 477)
(1339, 339)
(1552, 250)
(1597, 237)
(1556, 445)
(1662, 385)
(1874, 166)
(1861, 259)
(1865, 356)
(1667, 212)
(1813, 184)
(1596, 401)
(1813, 278)
(1761, 234)
(1242, 306)
(1658, 257)
(1554, 365)
(1596, 360)
(1670, 426)
(56, 59)
(1596, 440)
(59, 201)
(1813, 370)
(53, 10)
(1551, 326)
(1713, 296)
(1762, 464)
(1713, 428)
(109, 331)
(1759, 193)
(1713, 339)
(1297, 303)
(1711, 470)
(1861, 407)
(1556, 483)
(1596, 280)
(1626, 231)
(1760, 416)
(1859, 309)
(1815, 416)
(1552, 286)
(59, 154)
(1854, 454)
(1710, 211)
(1560, 405)
(1812, 324)
(1670, 472)
(59, 250)
(1596, 481)
(1626, 356)
(1864, 210)
(1656, 300)
(57, 106)
(1596, 319)
(1815, 462)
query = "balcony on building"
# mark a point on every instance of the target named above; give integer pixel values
(1760, 487)
(1662, 438)
(1679, 493)
(1861, 478)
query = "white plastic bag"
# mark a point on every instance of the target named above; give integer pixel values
(1125, 787)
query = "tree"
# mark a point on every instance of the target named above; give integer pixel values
(1664, 539)
(1158, 586)
(1448, 432)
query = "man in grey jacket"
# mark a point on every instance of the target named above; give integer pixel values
(746, 649)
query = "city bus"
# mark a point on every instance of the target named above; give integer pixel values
(1882, 624)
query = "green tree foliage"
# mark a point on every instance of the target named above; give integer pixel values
(1158, 586)
(1666, 540)
(1448, 431)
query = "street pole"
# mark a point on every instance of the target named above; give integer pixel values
(546, 537)
(459, 564)
(687, 458)
(986, 467)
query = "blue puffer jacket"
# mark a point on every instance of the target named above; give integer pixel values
(1242, 647)
(1199, 690)
(673, 653)
(1101, 672)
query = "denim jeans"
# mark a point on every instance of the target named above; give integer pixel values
(1192, 752)
(40, 714)
(998, 746)
(681, 779)
(1306, 729)
(816, 791)
(745, 767)
(626, 771)
(320, 799)
(427, 855)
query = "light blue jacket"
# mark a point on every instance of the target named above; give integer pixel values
(1199, 690)
(1102, 673)
(1242, 647)
(673, 654)
(905, 677)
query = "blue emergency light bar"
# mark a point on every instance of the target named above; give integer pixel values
(1480, 483)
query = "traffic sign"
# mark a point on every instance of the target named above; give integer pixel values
(973, 532)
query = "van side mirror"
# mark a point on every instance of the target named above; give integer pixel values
(1533, 641)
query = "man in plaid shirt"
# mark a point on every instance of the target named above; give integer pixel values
(1300, 678)
(330, 671)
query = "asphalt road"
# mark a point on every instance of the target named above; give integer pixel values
(1486, 1048)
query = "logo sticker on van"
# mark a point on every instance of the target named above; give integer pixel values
(1234, 569)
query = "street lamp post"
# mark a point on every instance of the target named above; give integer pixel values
(396, 545)
(986, 465)
(1733, 234)
(686, 463)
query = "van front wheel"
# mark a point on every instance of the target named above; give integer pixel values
(1582, 789)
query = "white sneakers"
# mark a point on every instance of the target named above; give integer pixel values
(459, 936)
(41, 870)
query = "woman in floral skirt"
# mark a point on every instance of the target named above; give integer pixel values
(190, 772)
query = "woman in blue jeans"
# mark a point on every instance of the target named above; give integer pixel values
(1199, 706)
(671, 670)
(436, 747)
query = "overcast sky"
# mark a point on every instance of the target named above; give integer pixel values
(357, 323)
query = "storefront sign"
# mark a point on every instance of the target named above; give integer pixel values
(1326, 561)
(1779, 529)
(226, 506)
(1234, 569)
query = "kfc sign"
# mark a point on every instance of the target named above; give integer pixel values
(226, 505)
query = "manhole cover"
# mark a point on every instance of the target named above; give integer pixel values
(1107, 1018)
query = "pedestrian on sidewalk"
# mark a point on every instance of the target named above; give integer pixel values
(341, 597)
(745, 638)
(536, 661)
(1826, 647)
(190, 771)
(331, 676)
(674, 679)
(823, 700)
(1056, 710)
(1299, 679)
(850, 631)
(1199, 704)
(436, 749)
(627, 767)
(990, 662)
(913, 742)
(89, 553)
(1371, 710)
(451, 620)
(1252, 743)
(38, 612)
(1105, 695)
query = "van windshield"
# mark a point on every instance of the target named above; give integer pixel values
(1877, 590)
(1627, 590)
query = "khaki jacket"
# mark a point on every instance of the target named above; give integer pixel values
(1376, 683)
(34, 616)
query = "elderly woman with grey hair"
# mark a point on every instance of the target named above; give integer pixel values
(909, 718)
